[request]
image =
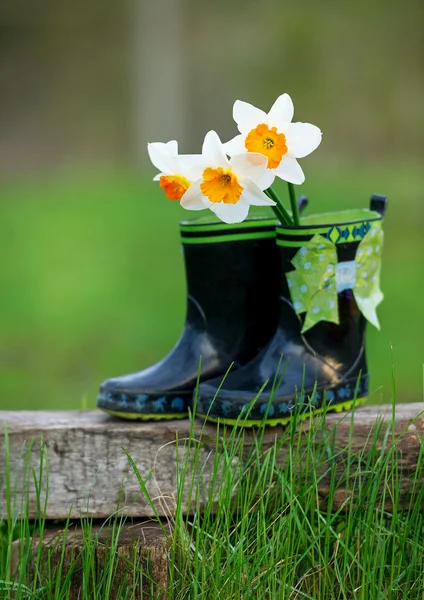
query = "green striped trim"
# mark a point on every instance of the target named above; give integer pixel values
(340, 217)
(304, 231)
(202, 231)
(237, 237)
(249, 224)
(297, 244)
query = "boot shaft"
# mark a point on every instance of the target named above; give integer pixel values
(232, 287)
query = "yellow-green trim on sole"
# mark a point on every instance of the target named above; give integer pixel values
(145, 417)
(343, 406)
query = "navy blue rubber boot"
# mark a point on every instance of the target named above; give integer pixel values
(310, 364)
(232, 312)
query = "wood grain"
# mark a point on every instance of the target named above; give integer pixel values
(90, 474)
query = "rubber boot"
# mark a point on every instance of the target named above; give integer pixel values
(232, 312)
(316, 358)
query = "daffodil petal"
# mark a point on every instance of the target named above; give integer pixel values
(157, 177)
(191, 159)
(251, 164)
(163, 155)
(290, 170)
(254, 196)
(235, 146)
(281, 112)
(231, 213)
(193, 199)
(191, 166)
(173, 147)
(266, 180)
(247, 116)
(213, 152)
(302, 138)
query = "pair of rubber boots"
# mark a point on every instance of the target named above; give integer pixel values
(260, 356)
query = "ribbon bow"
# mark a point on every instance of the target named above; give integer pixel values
(318, 278)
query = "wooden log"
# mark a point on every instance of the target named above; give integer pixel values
(133, 556)
(89, 474)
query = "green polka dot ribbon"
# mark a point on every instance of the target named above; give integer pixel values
(318, 278)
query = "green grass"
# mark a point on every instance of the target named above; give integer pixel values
(259, 528)
(93, 285)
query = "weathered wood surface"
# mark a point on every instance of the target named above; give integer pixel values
(90, 474)
(137, 554)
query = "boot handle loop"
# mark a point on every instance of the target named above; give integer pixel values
(302, 203)
(379, 204)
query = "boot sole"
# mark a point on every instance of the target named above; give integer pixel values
(343, 406)
(145, 417)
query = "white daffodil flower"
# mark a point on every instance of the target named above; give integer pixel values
(275, 136)
(177, 171)
(228, 187)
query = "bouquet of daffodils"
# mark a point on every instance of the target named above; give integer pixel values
(228, 178)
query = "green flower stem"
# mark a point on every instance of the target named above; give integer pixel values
(293, 202)
(279, 209)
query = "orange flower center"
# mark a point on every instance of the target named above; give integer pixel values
(174, 186)
(221, 185)
(268, 142)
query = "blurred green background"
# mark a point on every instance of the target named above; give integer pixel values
(92, 284)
